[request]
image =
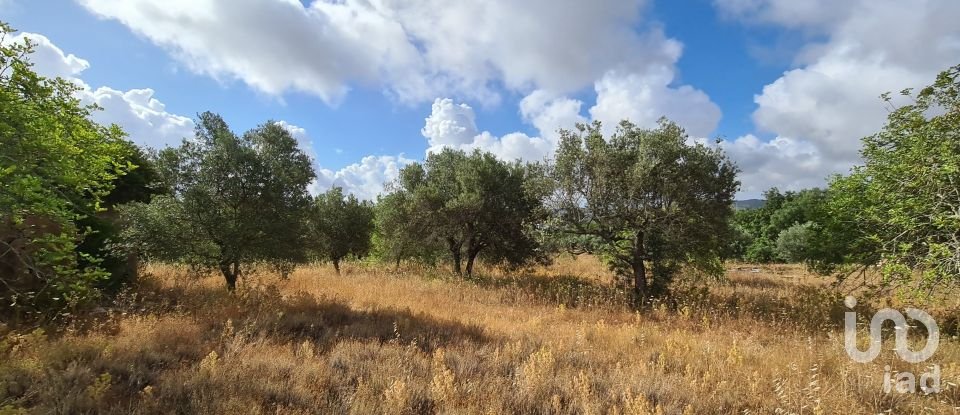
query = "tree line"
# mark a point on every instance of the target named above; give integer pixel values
(898, 213)
(81, 204)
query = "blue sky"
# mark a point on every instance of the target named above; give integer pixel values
(789, 86)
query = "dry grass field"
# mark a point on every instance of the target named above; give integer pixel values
(560, 340)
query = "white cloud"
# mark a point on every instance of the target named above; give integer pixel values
(365, 179)
(48, 59)
(550, 113)
(519, 43)
(643, 98)
(148, 123)
(453, 125)
(450, 124)
(831, 99)
(273, 46)
(807, 14)
(414, 50)
(782, 162)
(143, 117)
(833, 103)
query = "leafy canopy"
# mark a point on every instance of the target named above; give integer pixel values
(56, 167)
(472, 204)
(644, 196)
(339, 226)
(395, 237)
(234, 200)
(759, 230)
(903, 204)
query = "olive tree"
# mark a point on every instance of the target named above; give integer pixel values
(644, 199)
(473, 204)
(339, 226)
(234, 200)
(395, 237)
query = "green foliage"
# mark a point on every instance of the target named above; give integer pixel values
(761, 250)
(644, 196)
(339, 226)
(470, 204)
(56, 168)
(763, 226)
(395, 238)
(233, 200)
(903, 204)
(793, 243)
(137, 185)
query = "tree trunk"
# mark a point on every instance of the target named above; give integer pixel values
(473, 250)
(639, 269)
(639, 279)
(336, 265)
(660, 284)
(397, 266)
(470, 259)
(230, 274)
(456, 261)
(455, 253)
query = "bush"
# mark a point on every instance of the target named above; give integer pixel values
(794, 242)
(56, 167)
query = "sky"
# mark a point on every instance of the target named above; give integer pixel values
(786, 87)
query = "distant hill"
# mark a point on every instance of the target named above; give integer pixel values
(748, 203)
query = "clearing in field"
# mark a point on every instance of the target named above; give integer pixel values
(558, 340)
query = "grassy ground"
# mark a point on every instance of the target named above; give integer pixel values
(558, 340)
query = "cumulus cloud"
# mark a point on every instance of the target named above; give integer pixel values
(273, 46)
(807, 15)
(452, 125)
(48, 59)
(782, 162)
(549, 113)
(365, 179)
(141, 115)
(636, 86)
(479, 41)
(867, 47)
(148, 123)
(414, 50)
(643, 98)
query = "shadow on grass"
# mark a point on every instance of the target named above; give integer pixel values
(265, 311)
(326, 322)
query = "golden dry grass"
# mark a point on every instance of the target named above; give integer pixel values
(558, 340)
